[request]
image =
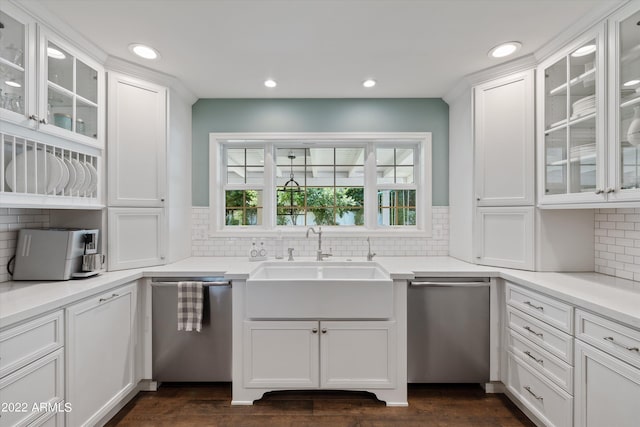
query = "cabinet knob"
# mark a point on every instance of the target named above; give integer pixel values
(324, 330)
(314, 330)
(477, 199)
(162, 200)
(162, 257)
(44, 121)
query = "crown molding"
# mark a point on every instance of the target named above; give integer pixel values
(584, 24)
(113, 63)
(523, 63)
(43, 15)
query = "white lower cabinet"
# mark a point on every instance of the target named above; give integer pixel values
(136, 237)
(34, 392)
(312, 354)
(607, 389)
(546, 400)
(100, 353)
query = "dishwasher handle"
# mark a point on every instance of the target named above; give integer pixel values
(222, 283)
(436, 284)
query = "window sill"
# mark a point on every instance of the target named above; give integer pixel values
(327, 232)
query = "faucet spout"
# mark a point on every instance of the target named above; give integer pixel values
(319, 255)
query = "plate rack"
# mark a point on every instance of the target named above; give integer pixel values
(39, 173)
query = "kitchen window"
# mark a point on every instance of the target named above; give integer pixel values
(351, 183)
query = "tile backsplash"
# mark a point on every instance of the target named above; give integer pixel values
(437, 244)
(617, 242)
(12, 220)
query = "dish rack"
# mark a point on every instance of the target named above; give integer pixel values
(36, 171)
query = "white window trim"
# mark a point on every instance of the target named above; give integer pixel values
(423, 184)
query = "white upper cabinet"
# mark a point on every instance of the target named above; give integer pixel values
(504, 141)
(624, 104)
(47, 84)
(137, 142)
(571, 123)
(17, 66)
(71, 92)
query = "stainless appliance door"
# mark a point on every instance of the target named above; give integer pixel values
(448, 330)
(180, 356)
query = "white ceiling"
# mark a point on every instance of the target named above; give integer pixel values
(319, 48)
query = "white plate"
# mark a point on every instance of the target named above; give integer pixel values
(87, 178)
(54, 173)
(94, 178)
(72, 176)
(45, 184)
(65, 176)
(80, 176)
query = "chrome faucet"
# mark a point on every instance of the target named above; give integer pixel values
(370, 255)
(319, 255)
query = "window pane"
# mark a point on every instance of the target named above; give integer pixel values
(385, 175)
(243, 207)
(396, 207)
(235, 156)
(320, 176)
(385, 156)
(404, 156)
(235, 175)
(321, 156)
(86, 81)
(255, 175)
(350, 156)
(255, 157)
(404, 175)
(282, 156)
(350, 175)
(350, 217)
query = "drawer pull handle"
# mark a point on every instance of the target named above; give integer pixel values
(540, 361)
(612, 341)
(314, 330)
(532, 393)
(538, 334)
(534, 306)
(108, 298)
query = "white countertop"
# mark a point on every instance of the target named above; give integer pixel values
(612, 297)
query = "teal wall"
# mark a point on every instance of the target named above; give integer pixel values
(321, 115)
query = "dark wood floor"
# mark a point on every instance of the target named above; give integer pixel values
(209, 405)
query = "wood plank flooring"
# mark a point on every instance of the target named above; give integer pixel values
(429, 405)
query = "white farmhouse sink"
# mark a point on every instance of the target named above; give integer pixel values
(317, 290)
(319, 270)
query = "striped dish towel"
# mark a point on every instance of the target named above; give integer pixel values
(190, 299)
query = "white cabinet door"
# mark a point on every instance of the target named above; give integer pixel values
(137, 138)
(136, 237)
(281, 354)
(100, 357)
(358, 354)
(607, 390)
(505, 237)
(38, 383)
(504, 141)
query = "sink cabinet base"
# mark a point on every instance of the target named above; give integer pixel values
(328, 353)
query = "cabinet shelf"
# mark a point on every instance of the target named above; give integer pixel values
(562, 89)
(66, 92)
(630, 102)
(570, 122)
(11, 65)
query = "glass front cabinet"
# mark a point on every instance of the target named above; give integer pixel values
(624, 105)
(46, 84)
(571, 127)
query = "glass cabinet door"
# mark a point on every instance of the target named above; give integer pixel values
(12, 64)
(72, 92)
(571, 143)
(627, 96)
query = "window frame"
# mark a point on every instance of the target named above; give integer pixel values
(270, 141)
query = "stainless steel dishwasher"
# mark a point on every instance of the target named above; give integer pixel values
(180, 356)
(448, 330)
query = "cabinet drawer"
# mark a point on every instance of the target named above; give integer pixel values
(25, 343)
(547, 309)
(540, 359)
(611, 337)
(554, 341)
(40, 382)
(546, 400)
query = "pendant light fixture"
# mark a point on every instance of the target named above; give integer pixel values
(291, 187)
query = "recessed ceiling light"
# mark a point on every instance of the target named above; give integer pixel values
(54, 53)
(270, 83)
(369, 83)
(12, 83)
(505, 49)
(584, 50)
(144, 51)
(631, 83)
